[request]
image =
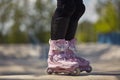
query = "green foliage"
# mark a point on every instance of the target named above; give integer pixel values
(16, 36)
(40, 19)
(19, 13)
(108, 19)
(117, 4)
(43, 36)
(86, 32)
(108, 22)
(6, 6)
(1, 38)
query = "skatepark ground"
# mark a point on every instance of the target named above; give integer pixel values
(105, 60)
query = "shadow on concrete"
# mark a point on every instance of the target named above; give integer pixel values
(109, 73)
(93, 54)
(14, 73)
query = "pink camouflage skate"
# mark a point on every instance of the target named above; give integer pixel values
(58, 61)
(84, 65)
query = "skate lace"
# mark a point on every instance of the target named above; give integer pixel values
(73, 49)
(59, 46)
(59, 57)
(58, 53)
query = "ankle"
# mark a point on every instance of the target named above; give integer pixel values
(57, 46)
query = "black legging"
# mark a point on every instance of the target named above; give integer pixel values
(65, 19)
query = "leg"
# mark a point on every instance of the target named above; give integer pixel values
(84, 65)
(80, 9)
(61, 18)
(57, 59)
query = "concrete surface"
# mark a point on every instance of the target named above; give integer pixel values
(105, 60)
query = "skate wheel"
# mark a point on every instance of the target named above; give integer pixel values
(89, 69)
(49, 71)
(56, 73)
(76, 72)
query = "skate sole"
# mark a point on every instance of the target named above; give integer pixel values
(69, 71)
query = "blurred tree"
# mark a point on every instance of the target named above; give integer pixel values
(23, 17)
(85, 32)
(1, 38)
(5, 9)
(108, 22)
(108, 18)
(16, 35)
(44, 10)
(117, 4)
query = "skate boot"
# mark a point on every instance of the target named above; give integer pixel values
(58, 61)
(84, 65)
